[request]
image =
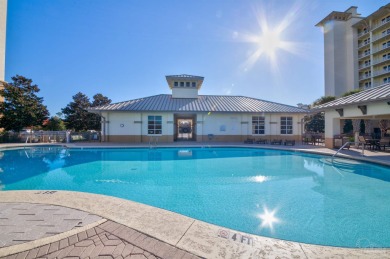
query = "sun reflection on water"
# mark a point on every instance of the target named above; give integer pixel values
(268, 218)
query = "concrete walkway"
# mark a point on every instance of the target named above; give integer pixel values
(107, 239)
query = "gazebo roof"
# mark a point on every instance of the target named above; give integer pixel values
(376, 94)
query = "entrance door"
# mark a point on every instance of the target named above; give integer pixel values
(185, 128)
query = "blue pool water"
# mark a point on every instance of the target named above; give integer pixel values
(282, 194)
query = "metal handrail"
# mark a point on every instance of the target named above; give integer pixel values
(343, 146)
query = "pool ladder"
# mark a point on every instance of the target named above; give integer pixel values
(151, 142)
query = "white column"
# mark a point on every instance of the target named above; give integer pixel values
(332, 127)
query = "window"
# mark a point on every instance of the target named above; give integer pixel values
(187, 84)
(386, 56)
(182, 84)
(258, 125)
(154, 125)
(386, 80)
(176, 84)
(286, 125)
(367, 84)
(193, 84)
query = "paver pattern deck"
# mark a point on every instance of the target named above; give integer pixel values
(23, 222)
(107, 240)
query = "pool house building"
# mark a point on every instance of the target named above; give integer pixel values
(185, 115)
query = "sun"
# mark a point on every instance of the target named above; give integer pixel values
(270, 42)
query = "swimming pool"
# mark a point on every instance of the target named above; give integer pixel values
(282, 194)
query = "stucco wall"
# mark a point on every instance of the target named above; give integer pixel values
(132, 127)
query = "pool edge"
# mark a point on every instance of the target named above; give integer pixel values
(194, 236)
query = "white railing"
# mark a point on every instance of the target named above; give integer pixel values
(364, 55)
(153, 141)
(364, 77)
(363, 44)
(364, 66)
(381, 72)
(380, 48)
(380, 24)
(380, 36)
(363, 33)
(380, 60)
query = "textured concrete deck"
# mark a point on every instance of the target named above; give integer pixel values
(116, 228)
(106, 240)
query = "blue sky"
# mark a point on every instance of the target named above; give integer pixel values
(125, 48)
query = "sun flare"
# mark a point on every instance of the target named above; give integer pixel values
(270, 39)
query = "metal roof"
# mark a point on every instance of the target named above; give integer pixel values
(379, 93)
(186, 76)
(204, 103)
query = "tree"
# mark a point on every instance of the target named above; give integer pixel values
(351, 92)
(98, 100)
(55, 124)
(316, 122)
(76, 113)
(323, 99)
(21, 107)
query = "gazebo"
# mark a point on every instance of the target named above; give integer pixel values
(371, 105)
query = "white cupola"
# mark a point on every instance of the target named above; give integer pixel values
(184, 86)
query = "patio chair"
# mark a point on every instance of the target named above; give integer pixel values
(306, 139)
(384, 142)
(249, 141)
(364, 142)
(289, 142)
(261, 141)
(276, 142)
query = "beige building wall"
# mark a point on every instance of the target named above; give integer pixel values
(133, 127)
(3, 26)
(340, 52)
(356, 50)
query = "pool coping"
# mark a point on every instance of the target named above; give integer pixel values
(192, 235)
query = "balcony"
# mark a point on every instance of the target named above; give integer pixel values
(363, 44)
(363, 66)
(364, 77)
(379, 83)
(381, 36)
(363, 55)
(381, 48)
(381, 72)
(381, 60)
(380, 24)
(361, 34)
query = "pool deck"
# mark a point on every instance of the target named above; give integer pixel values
(63, 224)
